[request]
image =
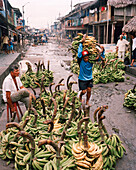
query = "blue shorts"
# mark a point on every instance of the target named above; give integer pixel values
(11, 47)
(83, 85)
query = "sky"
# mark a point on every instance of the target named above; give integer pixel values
(42, 13)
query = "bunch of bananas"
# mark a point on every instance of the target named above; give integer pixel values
(130, 98)
(33, 79)
(57, 125)
(112, 150)
(87, 158)
(112, 70)
(89, 45)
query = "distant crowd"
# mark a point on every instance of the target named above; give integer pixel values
(123, 45)
(7, 43)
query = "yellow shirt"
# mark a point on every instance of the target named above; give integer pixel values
(5, 40)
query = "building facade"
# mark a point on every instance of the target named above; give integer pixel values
(103, 19)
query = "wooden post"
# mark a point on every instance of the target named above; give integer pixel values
(93, 31)
(124, 15)
(130, 48)
(112, 34)
(104, 34)
(99, 34)
(107, 24)
(17, 42)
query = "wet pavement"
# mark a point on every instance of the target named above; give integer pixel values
(118, 120)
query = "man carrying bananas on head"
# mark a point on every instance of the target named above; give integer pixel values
(85, 79)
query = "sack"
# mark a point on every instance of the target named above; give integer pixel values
(126, 61)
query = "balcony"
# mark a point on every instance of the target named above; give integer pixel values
(10, 20)
(86, 20)
(91, 18)
(75, 28)
(103, 16)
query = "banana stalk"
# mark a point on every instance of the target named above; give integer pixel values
(30, 103)
(50, 102)
(70, 85)
(58, 87)
(99, 116)
(65, 104)
(55, 146)
(39, 87)
(79, 126)
(86, 110)
(13, 124)
(33, 90)
(95, 113)
(100, 126)
(70, 119)
(50, 88)
(64, 96)
(101, 111)
(38, 68)
(79, 114)
(68, 80)
(48, 66)
(25, 122)
(55, 109)
(43, 87)
(47, 122)
(43, 65)
(28, 136)
(43, 107)
(60, 83)
(29, 67)
(35, 114)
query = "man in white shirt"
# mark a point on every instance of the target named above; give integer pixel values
(13, 90)
(121, 47)
(133, 49)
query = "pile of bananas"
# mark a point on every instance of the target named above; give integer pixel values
(33, 79)
(87, 158)
(89, 45)
(48, 137)
(112, 70)
(112, 150)
(130, 98)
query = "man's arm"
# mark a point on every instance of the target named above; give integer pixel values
(80, 48)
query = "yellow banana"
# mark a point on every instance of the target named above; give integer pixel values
(76, 148)
(78, 155)
(85, 162)
(89, 159)
(27, 157)
(82, 165)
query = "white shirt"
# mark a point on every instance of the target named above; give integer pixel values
(134, 44)
(9, 85)
(121, 44)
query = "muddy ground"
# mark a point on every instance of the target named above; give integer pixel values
(118, 120)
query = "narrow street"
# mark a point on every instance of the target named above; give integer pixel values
(118, 120)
